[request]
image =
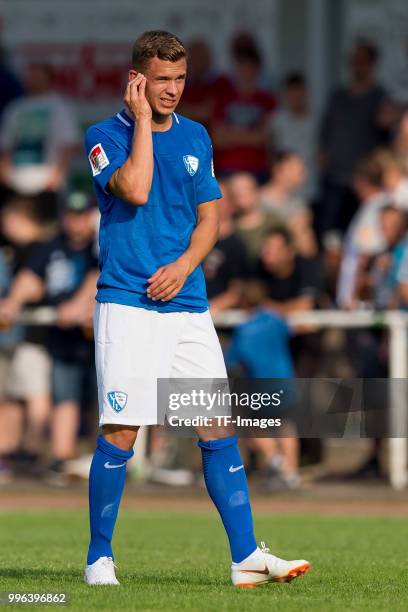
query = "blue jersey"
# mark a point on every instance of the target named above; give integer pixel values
(136, 240)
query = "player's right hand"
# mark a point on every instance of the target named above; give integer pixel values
(135, 98)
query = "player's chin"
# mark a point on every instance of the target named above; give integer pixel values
(165, 108)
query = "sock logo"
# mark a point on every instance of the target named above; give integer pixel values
(109, 466)
(117, 400)
(235, 469)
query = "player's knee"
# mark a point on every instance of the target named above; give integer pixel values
(123, 438)
(206, 434)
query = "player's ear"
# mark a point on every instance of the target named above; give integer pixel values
(132, 74)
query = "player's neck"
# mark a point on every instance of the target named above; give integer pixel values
(161, 123)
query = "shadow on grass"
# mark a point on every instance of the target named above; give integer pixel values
(35, 573)
(142, 578)
(171, 579)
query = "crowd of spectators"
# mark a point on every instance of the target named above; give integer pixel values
(314, 215)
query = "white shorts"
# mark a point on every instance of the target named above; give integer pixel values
(134, 347)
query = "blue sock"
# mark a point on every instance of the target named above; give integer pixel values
(106, 483)
(228, 488)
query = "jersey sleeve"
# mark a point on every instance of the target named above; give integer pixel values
(207, 187)
(104, 156)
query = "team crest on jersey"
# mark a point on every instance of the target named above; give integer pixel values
(118, 400)
(98, 159)
(191, 163)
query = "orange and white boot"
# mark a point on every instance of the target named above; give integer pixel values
(262, 567)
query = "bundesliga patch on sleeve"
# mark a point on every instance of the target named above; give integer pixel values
(98, 159)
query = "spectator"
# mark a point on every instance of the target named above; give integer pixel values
(27, 369)
(62, 273)
(260, 346)
(240, 119)
(379, 284)
(38, 136)
(252, 223)
(281, 196)
(364, 237)
(293, 128)
(351, 129)
(243, 42)
(369, 245)
(399, 272)
(394, 176)
(203, 84)
(227, 264)
(10, 86)
(400, 145)
(9, 427)
(293, 282)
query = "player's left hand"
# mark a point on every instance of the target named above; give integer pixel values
(167, 281)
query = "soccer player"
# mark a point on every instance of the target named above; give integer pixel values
(157, 194)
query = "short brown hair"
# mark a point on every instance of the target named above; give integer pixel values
(283, 231)
(40, 208)
(255, 293)
(157, 43)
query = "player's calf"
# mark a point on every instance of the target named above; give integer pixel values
(106, 483)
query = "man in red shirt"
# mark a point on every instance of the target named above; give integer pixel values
(203, 84)
(240, 117)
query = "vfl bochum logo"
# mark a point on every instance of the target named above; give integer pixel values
(118, 400)
(191, 163)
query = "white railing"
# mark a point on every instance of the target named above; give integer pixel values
(394, 320)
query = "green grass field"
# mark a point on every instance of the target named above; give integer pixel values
(179, 561)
